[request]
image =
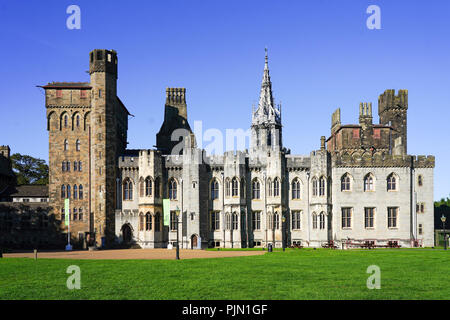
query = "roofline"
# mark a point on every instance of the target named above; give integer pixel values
(64, 87)
(128, 112)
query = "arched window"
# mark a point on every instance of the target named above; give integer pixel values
(270, 220)
(269, 186)
(77, 121)
(322, 220)
(368, 183)
(235, 221)
(79, 166)
(157, 221)
(172, 189)
(141, 222)
(63, 192)
(75, 166)
(75, 191)
(276, 187)
(148, 186)
(276, 221)
(295, 189)
(314, 186)
(141, 187)
(227, 187)
(66, 145)
(68, 191)
(65, 120)
(77, 145)
(214, 189)
(127, 189)
(234, 187)
(68, 165)
(228, 221)
(322, 182)
(314, 216)
(157, 188)
(420, 180)
(80, 192)
(391, 182)
(345, 182)
(256, 189)
(80, 214)
(148, 221)
(63, 166)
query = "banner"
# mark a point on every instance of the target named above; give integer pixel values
(67, 211)
(166, 211)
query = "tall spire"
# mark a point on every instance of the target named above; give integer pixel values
(266, 111)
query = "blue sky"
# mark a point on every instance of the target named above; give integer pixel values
(321, 56)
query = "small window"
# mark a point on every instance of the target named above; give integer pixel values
(392, 217)
(214, 189)
(420, 229)
(77, 145)
(420, 180)
(322, 186)
(234, 187)
(346, 217)
(99, 93)
(256, 189)
(345, 182)
(314, 187)
(369, 217)
(368, 183)
(391, 183)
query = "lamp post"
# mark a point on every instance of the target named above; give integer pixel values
(443, 218)
(178, 245)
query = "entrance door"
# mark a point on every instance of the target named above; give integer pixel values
(193, 241)
(126, 233)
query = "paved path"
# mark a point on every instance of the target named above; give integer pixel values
(134, 254)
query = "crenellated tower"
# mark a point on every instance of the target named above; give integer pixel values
(392, 110)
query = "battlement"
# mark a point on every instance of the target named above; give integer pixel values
(175, 96)
(358, 159)
(102, 60)
(365, 109)
(335, 119)
(389, 100)
(298, 162)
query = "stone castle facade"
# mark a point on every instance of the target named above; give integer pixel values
(361, 185)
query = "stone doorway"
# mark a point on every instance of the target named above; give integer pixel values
(127, 234)
(194, 240)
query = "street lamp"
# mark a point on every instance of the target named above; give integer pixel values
(443, 218)
(283, 240)
(178, 245)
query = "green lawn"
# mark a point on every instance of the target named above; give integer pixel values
(294, 274)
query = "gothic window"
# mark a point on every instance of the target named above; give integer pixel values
(256, 189)
(157, 221)
(75, 191)
(127, 189)
(345, 182)
(276, 221)
(148, 221)
(314, 186)
(296, 222)
(68, 191)
(270, 221)
(77, 121)
(75, 166)
(234, 187)
(322, 182)
(77, 145)
(269, 185)
(368, 183)
(65, 120)
(80, 214)
(172, 189)
(228, 221)
(68, 166)
(173, 220)
(227, 187)
(391, 182)
(80, 192)
(79, 166)
(276, 187)
(314, 216)
(214, 189)
(66, 145)
(295, 189)
(215, 220)
(148, 186)
(322, 220)
(256, 220)
(141, 187)
(75, 214)
(63, 167)
(235, 221)
(63, 192)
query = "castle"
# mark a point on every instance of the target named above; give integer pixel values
(361, 185)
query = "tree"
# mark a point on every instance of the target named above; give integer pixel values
(29, 170)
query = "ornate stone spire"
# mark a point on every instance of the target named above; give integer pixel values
(266, 111)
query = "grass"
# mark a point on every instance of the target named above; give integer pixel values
(294, 274)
